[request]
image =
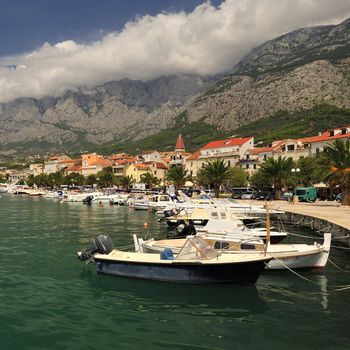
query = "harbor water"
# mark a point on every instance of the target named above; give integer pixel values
(51, 300)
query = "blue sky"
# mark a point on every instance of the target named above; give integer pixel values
(27, 24)
(50, 46)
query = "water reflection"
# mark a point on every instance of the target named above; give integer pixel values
(233, 301)
(281, 285)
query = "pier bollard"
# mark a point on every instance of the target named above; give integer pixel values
(295, 200)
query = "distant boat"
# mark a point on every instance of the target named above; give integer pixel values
(196, 263)
(227, 228)
(34, 192)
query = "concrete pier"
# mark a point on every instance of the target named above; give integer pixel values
(320, 216)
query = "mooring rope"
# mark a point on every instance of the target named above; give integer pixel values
(338, 267)
(338, 288)
(295, 273)
(337, 247)
(321, 238)
(303, 236)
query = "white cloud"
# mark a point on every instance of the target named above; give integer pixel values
(208, 40)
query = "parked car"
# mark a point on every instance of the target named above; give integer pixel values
(339, 197)
(265, 195)
(248, 195)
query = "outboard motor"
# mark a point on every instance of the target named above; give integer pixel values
(102, 244)
(88, 200)
(168, 214)
(183, 230)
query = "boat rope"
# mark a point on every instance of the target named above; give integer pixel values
(292, 224)
(338, 267)
(338, 288)
(326, 229)
(321, 238)
(338, 247)
(125, 247)
(303, 236)
(295, 273)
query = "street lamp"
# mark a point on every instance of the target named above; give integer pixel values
(295, 170)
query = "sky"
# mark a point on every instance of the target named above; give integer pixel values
(49, 46)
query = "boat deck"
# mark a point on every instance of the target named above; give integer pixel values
(117, 255)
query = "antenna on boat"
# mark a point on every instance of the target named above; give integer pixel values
(268, 226)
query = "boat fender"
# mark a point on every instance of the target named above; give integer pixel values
(167, 254)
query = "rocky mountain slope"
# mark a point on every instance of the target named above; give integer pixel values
(296, 71)
(114, 111)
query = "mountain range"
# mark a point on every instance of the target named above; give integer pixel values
(297, 71)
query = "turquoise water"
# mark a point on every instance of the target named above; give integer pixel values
(51, 300)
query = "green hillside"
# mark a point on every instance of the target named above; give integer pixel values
(194, 135)
(280, 125)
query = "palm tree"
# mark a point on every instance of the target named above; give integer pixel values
(178, 176)
(91, 180)
(216, 172)
(338, 155)
(126, 181)
(106, 177)
(149, 179)
(278, 171)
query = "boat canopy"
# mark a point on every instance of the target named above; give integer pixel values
(196, 248)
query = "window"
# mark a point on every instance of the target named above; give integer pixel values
(254, 166)
(247, 166)
(331, 133)
(229, 163)
(317, 150)
(247, 156)
(265, 156)
(290, 147)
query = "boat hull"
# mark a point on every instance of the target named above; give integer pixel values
(192, 273)
(316, 260)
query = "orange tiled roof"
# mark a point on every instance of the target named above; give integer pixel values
(141, 166)
(67, 161)
(194, 156)
(226, 143)
(119, 156)
(161, 166)
(326, 136)
(103, 162)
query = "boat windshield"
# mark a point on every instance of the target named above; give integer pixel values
(196, 248)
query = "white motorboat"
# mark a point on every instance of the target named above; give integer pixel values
(201, 216)
(157, 202)
(284, 256)
(79, 197)
(227, 205)
(197, 262)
